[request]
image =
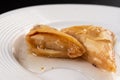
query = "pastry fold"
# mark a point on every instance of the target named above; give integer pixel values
(99, 43)
(43, 40)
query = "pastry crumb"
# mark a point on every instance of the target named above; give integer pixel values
(34, 54)
(42, 68)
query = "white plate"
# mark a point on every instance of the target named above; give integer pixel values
(15, 66)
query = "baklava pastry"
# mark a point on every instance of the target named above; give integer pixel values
(43, 40)
(99, 43)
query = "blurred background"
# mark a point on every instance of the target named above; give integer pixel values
(7, 5)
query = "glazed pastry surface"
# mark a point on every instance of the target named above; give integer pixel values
(46, 41)
(99, 43)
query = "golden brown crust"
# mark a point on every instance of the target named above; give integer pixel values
(46, 41)
(99, 44)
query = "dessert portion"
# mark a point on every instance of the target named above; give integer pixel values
(92, 43)
(99, 44)
(43, 40)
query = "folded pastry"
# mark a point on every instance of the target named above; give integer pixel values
(43, 40)
(99, 44)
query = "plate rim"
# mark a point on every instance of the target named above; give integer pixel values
(47, 5)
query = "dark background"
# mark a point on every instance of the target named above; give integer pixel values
(7, 5)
